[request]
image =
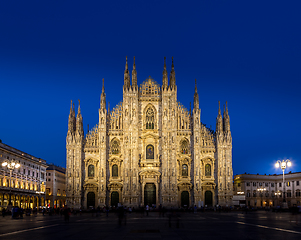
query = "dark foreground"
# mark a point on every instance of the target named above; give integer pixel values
(208, 225)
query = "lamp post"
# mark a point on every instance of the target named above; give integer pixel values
(11, 165)
(277, 194)
(283, 165)
(261, 190)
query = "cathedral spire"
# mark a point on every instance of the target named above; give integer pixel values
(103, 96)
(226, 119)
(71, 121)
(126, 74)
(196, 97)
(134, 75)
(79, 122)
(165, 77)
(219, 119)
(172, 76)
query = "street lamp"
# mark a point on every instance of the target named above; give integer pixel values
(11, 165)
(261, 190)
(283, 165)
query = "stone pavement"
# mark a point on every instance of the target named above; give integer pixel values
(233, 225)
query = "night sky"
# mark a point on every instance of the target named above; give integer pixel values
(245, 52)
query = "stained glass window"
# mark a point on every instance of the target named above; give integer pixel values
(149, 119)
(149, 152)
(114, 170)
(184, 147)
(91, 171)
(115, 147)
(184, 170)
(208, 170)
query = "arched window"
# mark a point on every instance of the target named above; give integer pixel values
(184, 147)
(91, 171)
(208, 170)
(149, 152)
(114, 170)
(184, 170)
(115, 147)
(149, 118)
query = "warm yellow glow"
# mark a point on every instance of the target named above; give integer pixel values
(277, 165)
(289, 163)
(17, 165)
(4, 164)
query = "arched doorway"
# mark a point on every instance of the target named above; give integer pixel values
(91, 199)
(114, 199)
(149, 194)
(185, 199)
(208, 198)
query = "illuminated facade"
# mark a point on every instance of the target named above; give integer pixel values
(149, 150)
(26, 185)
(55, 186)
(267, 190)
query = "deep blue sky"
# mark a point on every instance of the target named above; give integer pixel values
(245, 52)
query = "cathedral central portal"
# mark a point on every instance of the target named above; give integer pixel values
(149, 194)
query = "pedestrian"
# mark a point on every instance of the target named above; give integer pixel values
(147, 209)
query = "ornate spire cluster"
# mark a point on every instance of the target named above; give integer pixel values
(75, 124)
(222, 123)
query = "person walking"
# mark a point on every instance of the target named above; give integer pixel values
(147, 209)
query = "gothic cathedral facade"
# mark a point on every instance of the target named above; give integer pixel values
(149, 150)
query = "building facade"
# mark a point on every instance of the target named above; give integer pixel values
(149, 150)
(267, 190)
(55, 186)
(23, 186)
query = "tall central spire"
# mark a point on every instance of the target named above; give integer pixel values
(134, 75)
(126, 75)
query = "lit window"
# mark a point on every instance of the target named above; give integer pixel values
(208, 170)
(149, 152)
(91, 171)
(114, 170)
